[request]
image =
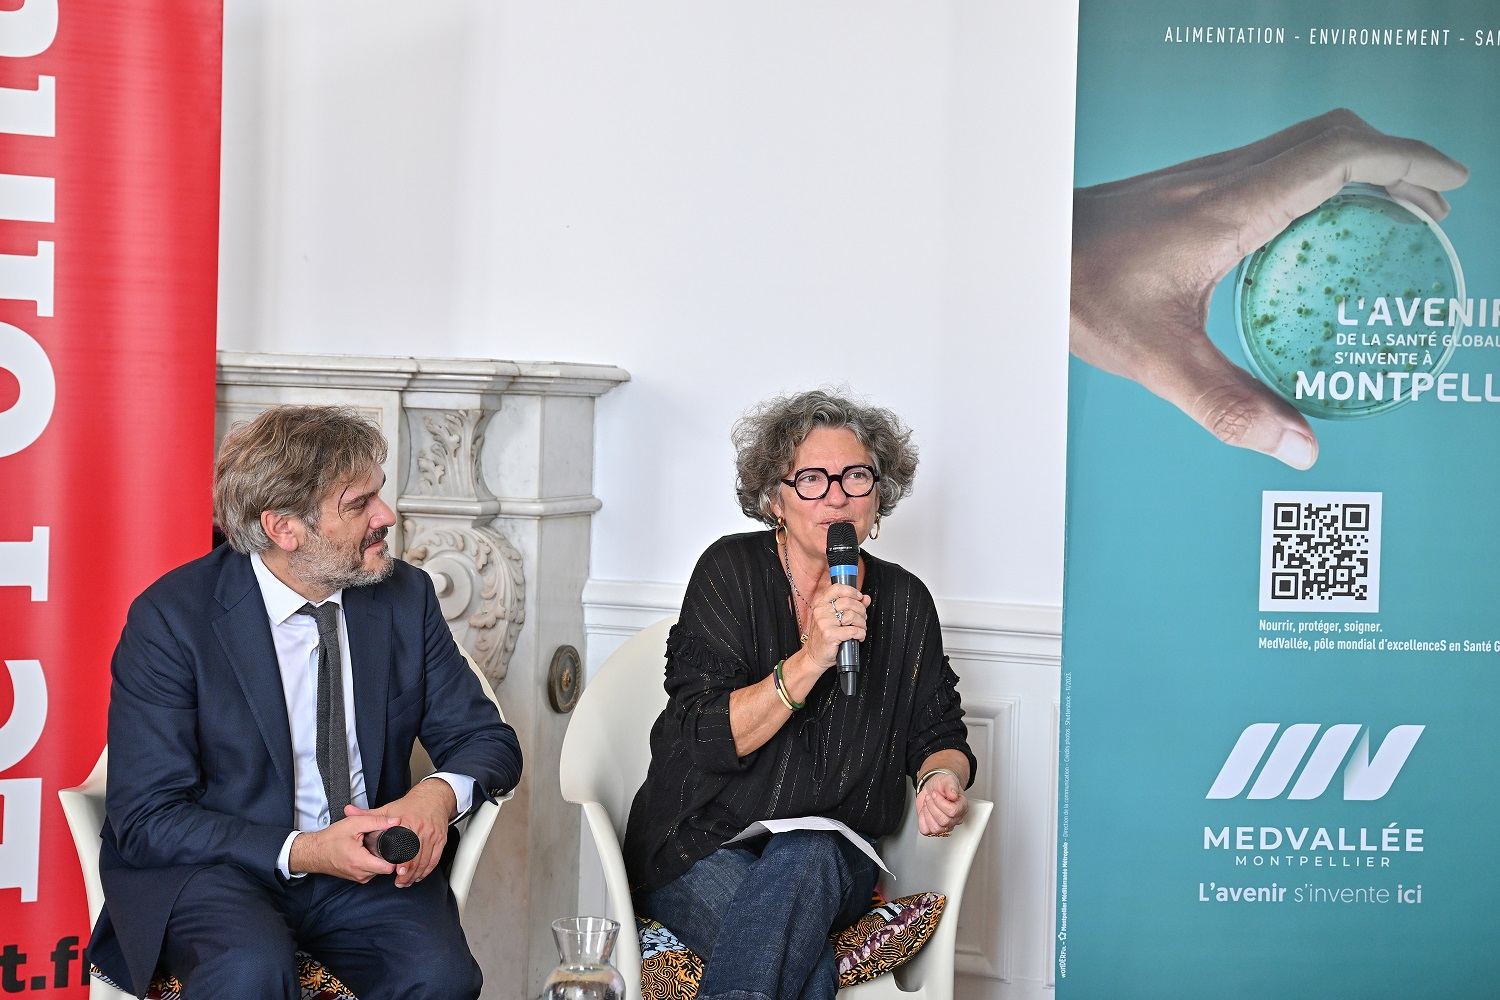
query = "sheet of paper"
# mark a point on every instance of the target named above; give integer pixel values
(807, 823)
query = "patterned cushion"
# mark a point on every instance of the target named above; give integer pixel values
(886, 937)
(316, 981)
(669, 970)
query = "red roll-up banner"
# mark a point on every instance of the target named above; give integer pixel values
(109, 207)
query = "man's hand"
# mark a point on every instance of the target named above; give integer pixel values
(340, 848)
(426, 810)
(1148, 251)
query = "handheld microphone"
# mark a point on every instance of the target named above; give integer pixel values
(843, 567)
(397, 845)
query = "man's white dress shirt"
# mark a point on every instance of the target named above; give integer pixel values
(296, 639)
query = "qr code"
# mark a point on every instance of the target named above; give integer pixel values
(1320, 552)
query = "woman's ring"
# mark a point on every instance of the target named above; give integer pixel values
(838, 615)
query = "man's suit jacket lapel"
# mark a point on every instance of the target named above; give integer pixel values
(244, 632)
(368, 623)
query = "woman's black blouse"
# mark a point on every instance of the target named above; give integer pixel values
(845, 757)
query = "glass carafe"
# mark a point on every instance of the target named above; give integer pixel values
(584, 945)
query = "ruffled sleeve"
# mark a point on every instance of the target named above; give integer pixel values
(937, 721)
(700, 679)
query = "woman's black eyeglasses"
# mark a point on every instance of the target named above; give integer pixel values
(812, 484)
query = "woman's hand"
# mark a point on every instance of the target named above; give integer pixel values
(941, 802)
(941, 805)
(838, 613)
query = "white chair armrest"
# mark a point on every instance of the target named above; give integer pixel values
(475, 830)
(84, 808)
(930, 864)
(627, 956)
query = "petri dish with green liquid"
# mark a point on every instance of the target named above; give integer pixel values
(1350, 292)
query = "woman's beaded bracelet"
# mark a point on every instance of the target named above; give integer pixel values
(780, 683)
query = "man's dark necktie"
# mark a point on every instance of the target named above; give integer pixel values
(332, 739)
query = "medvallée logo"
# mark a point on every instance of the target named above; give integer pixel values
(1364, 779)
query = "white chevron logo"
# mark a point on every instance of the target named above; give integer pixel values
(1364, 779)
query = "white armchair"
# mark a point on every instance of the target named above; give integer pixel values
(604, 759)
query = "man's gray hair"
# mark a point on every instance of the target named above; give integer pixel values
(287, 460)
(767, 436)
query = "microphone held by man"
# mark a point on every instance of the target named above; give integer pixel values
(398, 845)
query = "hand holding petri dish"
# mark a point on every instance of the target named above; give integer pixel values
(1149, 250)
(1343, 301)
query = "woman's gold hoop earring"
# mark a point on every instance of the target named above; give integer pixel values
(875, 529)
(779, 532)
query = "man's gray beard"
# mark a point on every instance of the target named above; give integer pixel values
(319, 563)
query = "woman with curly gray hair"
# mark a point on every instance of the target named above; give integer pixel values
(756, 726)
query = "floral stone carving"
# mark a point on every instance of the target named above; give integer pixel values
(480, 584)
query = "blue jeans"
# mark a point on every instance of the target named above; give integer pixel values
(760, 920)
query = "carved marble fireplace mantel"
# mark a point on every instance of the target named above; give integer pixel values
(490, 470)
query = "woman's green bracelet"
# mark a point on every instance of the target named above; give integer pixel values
(780, 682)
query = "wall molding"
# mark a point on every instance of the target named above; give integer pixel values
(994, 736)
(976, 629)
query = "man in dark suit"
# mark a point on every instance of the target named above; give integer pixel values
(264, 703)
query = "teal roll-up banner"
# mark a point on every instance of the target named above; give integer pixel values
(1281, 645)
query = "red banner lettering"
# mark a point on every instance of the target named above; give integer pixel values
(109, 181)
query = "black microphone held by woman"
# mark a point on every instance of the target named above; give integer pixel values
(843, 567)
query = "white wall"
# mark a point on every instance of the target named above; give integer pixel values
(726, 199)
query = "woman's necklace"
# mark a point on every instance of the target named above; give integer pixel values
(787, 555)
